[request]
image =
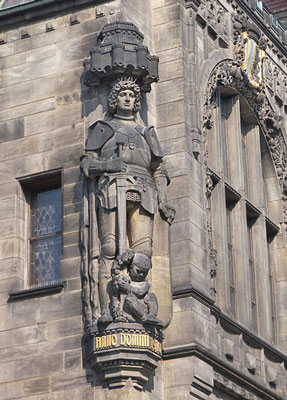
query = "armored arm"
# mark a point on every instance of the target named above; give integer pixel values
(92, 165)
(161, 180)
(160, 176)
(91, 162)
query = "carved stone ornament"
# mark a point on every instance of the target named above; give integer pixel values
(125, 264)
(275, 80)
(120, 51)
(229, 73)
(249, 50)
(233, 388)
(213, 14)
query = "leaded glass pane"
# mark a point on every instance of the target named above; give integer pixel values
(45, 259)
(48, 213)
(46, 239)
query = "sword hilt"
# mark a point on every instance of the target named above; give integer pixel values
(120, 148)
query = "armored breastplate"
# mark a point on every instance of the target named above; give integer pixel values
(136, 151)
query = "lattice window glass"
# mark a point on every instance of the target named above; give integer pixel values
(46, 237)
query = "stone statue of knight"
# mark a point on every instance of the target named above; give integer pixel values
(126, 161)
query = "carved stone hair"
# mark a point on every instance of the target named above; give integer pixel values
(124, 84)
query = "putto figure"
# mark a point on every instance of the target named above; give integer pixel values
(125, 161)
(131, 299)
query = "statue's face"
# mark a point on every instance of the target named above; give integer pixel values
(126, 101)
(139, 268)
(137, 273)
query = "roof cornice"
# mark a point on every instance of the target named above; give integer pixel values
(27, 13)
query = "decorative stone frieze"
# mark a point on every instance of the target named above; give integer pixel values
(275, 80)
(193, 3)
(215, 16)
(251, 363)
(228, 349)
(233, 389)
(271, 376)
(211, 179)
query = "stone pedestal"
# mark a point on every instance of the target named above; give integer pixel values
(122, 351)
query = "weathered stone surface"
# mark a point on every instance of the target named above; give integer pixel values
(7, 49)
(73, 360)
(11, 390)
(38, 366)
(63, 344)
(36, 386)
(20, 352)
(167, 36)
(17, 94)
(71, 224)
(85, 392)
(74, 284)
(28, 109)
(6, 372)
(39, 123)
(68, 380)
(65, 327)
(23, 336)
(11, 130)
(169, 93)
(20, 73)
(170, 113)
(58, 307)
(70, 268)
(166, 14)
(187, 230)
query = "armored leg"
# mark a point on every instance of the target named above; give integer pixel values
(140, 229)
(107, 237)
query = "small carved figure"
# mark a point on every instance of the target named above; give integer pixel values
(125, 161)
(131, 299)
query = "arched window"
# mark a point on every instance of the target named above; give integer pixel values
(245, 212)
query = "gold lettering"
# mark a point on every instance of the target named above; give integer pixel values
(157, 346)
(109, 340)
(123, 339)
(98, 343)
(104, 341)
(145, 340)
(114, 340)
(134, 340)
(128, 339)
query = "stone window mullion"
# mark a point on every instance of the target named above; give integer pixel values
(218, 213)
(239, 228)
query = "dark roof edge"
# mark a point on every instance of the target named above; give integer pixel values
(277, 37)
(27, 13)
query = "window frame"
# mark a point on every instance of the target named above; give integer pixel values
(243, 120)
(28, 185)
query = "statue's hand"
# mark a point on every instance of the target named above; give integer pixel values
(85, 163)
(167, 212)
(116, 165)
(124, 286)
